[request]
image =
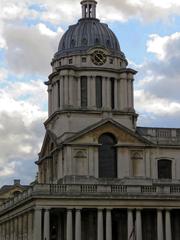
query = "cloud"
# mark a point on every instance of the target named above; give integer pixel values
(30, 50)
(67, 10)
(158, 80)
(3, 74)
(21, 128)
(166, 47)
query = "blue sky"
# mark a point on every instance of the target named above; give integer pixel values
(30, 30)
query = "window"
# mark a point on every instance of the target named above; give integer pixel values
(99, 92)
(97, 41)
(16, 193)
(84, 92)
(73, 43)
(164, 169)
(111, 61)
(107, 156)
(70, 61)
(84, 42)
(83, 59)
(108, 43)
(112, 93)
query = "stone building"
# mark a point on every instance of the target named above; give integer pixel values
(100, 176)
(7, 192)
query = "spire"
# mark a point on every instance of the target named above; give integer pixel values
(88, 8)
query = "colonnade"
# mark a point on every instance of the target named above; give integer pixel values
(134, 224)
(36, 225)
(18, 228)
(66, 92)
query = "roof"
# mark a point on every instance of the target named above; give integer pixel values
(86, 34)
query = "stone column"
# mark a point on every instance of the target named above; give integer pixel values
(108, 96)
(125, 87)
(49, 100)
(11, 229)
(68, 159)
(130, 226)
(96, 162)
(78, 225)
(79, 92)
(66, 90)
(138, 225)
(61, 81)
(20, 227)
(93, 92)
(121, 97)
(89, 97)
(71, 90)
(37, 224)
(88, 10)
(30, 225)
(15, 229)
(129, 93)
(104, 92)
(46, 224)
(55, 96)
(108, 224)
(69, 225)
(52, 98)
(100, 225)
(2, 231)
(132, 91)
(168, 225)
(115, 94)
(160, 225)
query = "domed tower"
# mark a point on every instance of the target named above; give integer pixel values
(90, 84)
(90, 79)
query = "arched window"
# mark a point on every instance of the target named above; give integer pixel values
(107, 156)
(164, 169)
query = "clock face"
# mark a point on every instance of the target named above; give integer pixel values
(98, 57)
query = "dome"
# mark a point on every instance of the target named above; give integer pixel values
(86, 34)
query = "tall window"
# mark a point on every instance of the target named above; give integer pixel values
(164, 169)
(84, 92)
(107, 156)
(99, 92)
(112, 93)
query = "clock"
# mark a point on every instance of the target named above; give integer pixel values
(98, 57)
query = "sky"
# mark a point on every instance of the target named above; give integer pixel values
(30, 30)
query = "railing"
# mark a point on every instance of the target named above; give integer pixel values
(161, 135)
(100, 190)
(148, 189)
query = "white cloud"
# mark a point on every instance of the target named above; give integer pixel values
(157, 93)
(164, 47)
(67, 10)
(21, 127)
(3, 74)
(30, 50)
(147, 102)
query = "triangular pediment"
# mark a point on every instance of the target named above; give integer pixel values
(49, 141)
(123, 135)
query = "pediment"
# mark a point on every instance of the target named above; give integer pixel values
(123, 135)
(48, 143)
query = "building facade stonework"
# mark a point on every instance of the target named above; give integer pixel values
(100, 177)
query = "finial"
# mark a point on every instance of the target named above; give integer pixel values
(88, 8)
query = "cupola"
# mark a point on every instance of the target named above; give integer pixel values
(88, 8)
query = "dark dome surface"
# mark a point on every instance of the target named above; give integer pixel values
(88, 33)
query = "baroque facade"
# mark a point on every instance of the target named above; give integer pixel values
(100, 176)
